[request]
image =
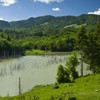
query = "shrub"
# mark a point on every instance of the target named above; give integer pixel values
(62, 75)
(71, 64)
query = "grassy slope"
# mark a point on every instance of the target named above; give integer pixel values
(75, 25)
(85, 88)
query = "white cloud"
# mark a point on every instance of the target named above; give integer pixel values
(1, 18)
(56, 9)
(95, 12)
(47, 1)
(7, 2)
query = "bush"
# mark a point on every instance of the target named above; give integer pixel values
(71, 64)
(75, 74)
(62, 75)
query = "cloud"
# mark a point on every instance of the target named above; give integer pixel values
(56, 9)
(48, 1)
(1, 18)
(7, 2)
(95, 12)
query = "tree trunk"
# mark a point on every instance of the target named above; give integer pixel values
(81, 63)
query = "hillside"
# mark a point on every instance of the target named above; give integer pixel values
(47, 33)
(51, 22)
(84, 88)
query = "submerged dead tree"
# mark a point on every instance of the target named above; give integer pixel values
(19, 85)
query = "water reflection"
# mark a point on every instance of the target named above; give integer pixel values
(3, 71)
(6, 70)
(33, 70)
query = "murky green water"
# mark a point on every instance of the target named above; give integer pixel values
(33, 70)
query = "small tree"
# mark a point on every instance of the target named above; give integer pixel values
(62, 75)
(81, 43)
(89, 45)
(71, 64)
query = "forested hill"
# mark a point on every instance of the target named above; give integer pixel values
(51, 22)
(48, 33)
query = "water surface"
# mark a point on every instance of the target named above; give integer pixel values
(33, 70)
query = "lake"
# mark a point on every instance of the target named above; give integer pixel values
(33, 70)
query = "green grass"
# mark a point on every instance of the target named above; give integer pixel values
(35, 52)
(84, 88)
(42, 52)
(75, 25)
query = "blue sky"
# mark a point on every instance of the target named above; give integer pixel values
(23, 9)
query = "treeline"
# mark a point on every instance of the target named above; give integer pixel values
(51, 21)
(14, 42)
(9, 47)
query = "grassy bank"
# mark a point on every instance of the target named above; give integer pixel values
(84, 88)
(42, 52)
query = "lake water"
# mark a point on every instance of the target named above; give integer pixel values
(33, 70)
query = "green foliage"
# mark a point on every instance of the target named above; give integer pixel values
(51, 22)
(71, 64)
(92, 53)
(89, 44)
(84, 88)
(4, 24)
(62, 75)
(55, 22)
(75, 25)
(24, 40)
(8, 38)
(81, 38)
(47, 34)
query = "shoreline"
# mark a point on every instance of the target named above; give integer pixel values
(42, 52)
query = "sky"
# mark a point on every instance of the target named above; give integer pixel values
(13, 10)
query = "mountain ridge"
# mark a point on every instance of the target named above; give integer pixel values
(53, 21)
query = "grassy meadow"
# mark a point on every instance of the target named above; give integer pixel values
(83, 88)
